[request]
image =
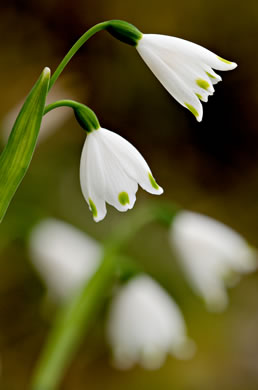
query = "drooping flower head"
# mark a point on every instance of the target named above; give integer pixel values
(111, 169)
(184, 68)
(211, 254)
(145, 324)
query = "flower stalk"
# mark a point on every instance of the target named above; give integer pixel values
(75, 318)
(119, 29)
(78, 44)
(84, 115)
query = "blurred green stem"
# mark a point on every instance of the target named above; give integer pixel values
(93, 30)
(75, 317)
(72, 322)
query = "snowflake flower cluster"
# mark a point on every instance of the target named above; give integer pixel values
(111, 168)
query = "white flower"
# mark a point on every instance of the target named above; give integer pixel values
(64, 256)
(183, 68)
(110, 171)
(211, 254)
(145, 324)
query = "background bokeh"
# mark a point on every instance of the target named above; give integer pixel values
(210, 167)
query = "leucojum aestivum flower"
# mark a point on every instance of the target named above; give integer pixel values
(144, 324)
(185, 69)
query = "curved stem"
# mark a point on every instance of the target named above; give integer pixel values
(62, 103)
(84, 115)
(93, 30)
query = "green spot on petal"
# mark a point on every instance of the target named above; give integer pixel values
(192, 109)
(210, 75)
(93, 208)
(223, 60)
(199, 96)
(202, 84)
(123, 198)
(153, 182)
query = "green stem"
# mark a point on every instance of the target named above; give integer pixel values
(61, 103)
(72, 322)
(93, 30)
(76, 316)
(84, 115)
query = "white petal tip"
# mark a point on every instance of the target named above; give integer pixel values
(160, 191)
(155, 188)
(125, 201)
(198, 115)
(229, 65)
(98, 219)
(97, 216)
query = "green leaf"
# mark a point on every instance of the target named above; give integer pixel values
(16, 156)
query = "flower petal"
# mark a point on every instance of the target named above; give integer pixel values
(214, 77)
(131, 161)
(209, 251)
(191, 71)
(171, 80)
(64, 256)
(120, 189)
(145, 324)
(92, 177)
(190, 49)
(194, 75)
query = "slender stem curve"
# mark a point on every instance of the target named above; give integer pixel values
(84, 115)
(61, 103)
(93, 30)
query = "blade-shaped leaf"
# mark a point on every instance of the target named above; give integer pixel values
(17, 154)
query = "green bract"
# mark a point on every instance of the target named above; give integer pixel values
(16, 156)
(124, 31)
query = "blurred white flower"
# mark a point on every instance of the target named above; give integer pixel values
(145, 324)
(183, 68)
(110, 171)
(211, 254)
(64, 256)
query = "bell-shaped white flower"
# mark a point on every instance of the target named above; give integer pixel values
(145, 324)
(211, 254)
(110, 171)
(183, 68)
(64, 256)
